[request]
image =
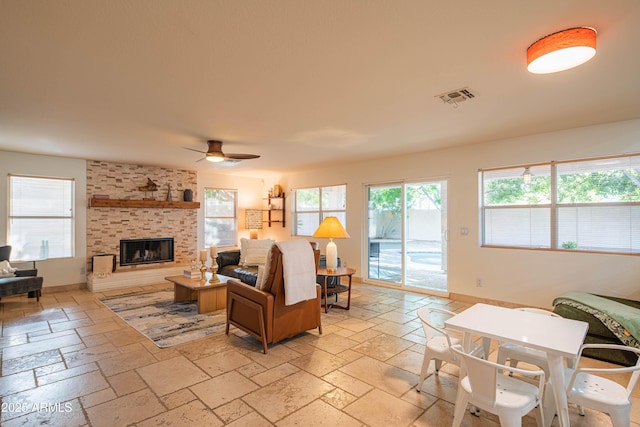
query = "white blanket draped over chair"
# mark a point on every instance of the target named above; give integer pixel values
(299, 271)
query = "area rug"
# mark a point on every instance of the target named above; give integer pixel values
(154, 314)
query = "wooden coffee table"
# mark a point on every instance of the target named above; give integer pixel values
(210, 296)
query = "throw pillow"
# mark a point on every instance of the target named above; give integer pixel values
(263, 273)
(6, 270)
(255, 252)
(243, 250)
(260, 278)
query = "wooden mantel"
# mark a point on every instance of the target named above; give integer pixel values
(148, 204)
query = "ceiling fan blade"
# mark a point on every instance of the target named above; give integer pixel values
(214, 150)
(197, 151)
(239, 156)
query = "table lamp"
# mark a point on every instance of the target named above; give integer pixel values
(253, 222)
(330, 228)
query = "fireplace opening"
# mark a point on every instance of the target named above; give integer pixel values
(146, 251)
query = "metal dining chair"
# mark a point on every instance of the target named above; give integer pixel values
(486, 387)
(439, 341)
(587, 387)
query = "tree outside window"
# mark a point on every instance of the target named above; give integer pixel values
(585, 205)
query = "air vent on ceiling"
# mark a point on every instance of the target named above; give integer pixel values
(454, 97)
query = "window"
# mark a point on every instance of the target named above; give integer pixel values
(312, 205)
(41, 217)
(587, 205)
(220, 217)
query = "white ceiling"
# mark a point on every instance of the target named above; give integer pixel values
(302, 83)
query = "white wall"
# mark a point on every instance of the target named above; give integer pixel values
(62, 271)
(518, 276)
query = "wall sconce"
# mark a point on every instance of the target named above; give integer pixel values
(253, 222)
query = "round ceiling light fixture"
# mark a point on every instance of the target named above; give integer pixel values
(215, 157)
(562, 50)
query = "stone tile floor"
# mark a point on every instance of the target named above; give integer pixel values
(69, 361)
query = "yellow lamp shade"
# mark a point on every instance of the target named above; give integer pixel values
(330, 228)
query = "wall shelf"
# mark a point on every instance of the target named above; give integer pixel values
(271, 210)
(144, 204)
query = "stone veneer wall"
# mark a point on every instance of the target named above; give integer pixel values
(107, 226)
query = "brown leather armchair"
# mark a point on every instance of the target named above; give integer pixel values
(263, 313)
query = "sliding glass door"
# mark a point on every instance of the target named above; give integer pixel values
(385, 232)
(407, 243)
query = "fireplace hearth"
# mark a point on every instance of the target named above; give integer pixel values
(146, 251)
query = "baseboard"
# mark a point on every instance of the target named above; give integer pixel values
(476, 300)
(64, 288)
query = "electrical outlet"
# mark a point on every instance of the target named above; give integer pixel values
(464, 231)
(478, 282)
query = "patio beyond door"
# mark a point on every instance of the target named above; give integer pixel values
(407, 243)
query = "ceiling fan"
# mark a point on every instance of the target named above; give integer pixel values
(215, 154)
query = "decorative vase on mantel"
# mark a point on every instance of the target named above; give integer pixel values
(188, 195)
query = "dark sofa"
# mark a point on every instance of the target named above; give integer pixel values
(599, 332)
(229, 265)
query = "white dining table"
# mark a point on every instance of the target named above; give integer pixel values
(558, 337)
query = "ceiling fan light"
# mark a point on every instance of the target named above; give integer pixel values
(215, 157)
(562, 50)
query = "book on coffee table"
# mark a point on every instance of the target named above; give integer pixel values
(192, 274)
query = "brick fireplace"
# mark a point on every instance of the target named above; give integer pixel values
(106, 226)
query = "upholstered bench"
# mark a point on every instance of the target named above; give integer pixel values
(604, 315)
(14, 284)
(20, 285)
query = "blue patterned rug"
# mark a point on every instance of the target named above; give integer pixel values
(166, 323)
